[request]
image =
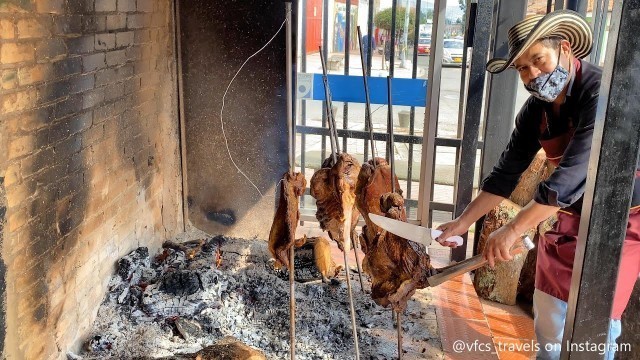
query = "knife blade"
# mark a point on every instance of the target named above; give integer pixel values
(411, 232)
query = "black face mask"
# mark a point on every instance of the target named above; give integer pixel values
(547, 87)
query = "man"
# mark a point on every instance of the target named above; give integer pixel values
(559, 117)
(366, 49)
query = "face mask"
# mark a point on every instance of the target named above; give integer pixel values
(547, 87)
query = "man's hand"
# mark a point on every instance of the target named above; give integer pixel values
(499, 244)
(449, 229)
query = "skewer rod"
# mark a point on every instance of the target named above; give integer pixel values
(366, 95)
(391, 141)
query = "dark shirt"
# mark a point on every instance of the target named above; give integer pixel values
(566, 185)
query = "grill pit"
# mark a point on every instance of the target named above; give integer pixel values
(170, 305)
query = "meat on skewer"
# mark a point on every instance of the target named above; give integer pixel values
(333, 187)
(397, 266)
(283, 229)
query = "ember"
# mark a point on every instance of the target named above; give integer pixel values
(176, 306)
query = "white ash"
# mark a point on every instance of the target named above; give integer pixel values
(178, 306)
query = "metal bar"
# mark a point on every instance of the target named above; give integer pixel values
(466, 164)
(366, 96)
(303, 104)
(431, 113)
(332, 130)
(292, 304)
(579, 6)
(368, 68)
(501, 88)
(392, 52)
(607, 198)
(181, 119)
(354, 326)
(399, 326)
(347, 49)
(549, 6)
(599, 26)
(390, 129)
(325, 46)
(289, 81)
(412, 111)
(559, 4)
(364, 135)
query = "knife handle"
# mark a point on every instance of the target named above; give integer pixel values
(478, 261)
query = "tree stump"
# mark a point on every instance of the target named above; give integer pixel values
(501, 283)
(508, 279)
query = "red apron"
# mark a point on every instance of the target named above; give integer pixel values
(557, 247)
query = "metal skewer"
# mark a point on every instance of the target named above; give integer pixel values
(347, 242)
(289, 80)
(327, 95)
(393, 190)
(390, 128)
(368, 119)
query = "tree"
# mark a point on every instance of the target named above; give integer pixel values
(383, 19)
(463, 7)
(426, 15)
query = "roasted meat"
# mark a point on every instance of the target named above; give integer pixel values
(333, 187)
(397, 267)
(283, 229)
(372, 183)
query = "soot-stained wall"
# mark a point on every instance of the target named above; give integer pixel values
(216, 38)
(89, 159)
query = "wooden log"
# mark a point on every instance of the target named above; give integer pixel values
(508, 279)
(501, 283)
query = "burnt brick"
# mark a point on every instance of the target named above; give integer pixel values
(134, 53)
(65, 128)
(67, 107)
(50, 6)
(80, 6)
(68, 147)
(126, 5)
(117, 57)
(136, 21)
(81, 45)
(52, 91)
(93, 62)
(81, 83)
(92, 98)
(116, 22)
(67, 67)
(50, 49)
(105, 41)
(93, 135)
(66, 25)
(114, 91)
(105, 5)
(145, 5)
(142, 36)
(131, 85)
(124, 38)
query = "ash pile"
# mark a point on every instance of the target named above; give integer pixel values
(194, 294)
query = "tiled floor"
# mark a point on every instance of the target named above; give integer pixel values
(469, 327)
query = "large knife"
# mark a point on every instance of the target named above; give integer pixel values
(411, 232)
(425, 236)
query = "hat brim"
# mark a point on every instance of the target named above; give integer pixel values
(565, 24)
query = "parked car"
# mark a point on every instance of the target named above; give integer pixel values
(452, 52)
(424, 46)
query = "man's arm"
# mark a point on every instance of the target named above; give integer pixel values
(500, 241)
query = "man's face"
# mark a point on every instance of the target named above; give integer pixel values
(540, 59)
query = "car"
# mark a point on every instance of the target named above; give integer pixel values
(452, 52)
(424, 46)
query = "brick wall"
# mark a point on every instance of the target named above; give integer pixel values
(89, 158)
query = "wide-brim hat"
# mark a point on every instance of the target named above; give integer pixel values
(565, 24)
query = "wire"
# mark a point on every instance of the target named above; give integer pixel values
(224, 135)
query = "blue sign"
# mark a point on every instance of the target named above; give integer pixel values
(349, 88)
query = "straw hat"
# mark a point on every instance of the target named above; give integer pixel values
(565, 24)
